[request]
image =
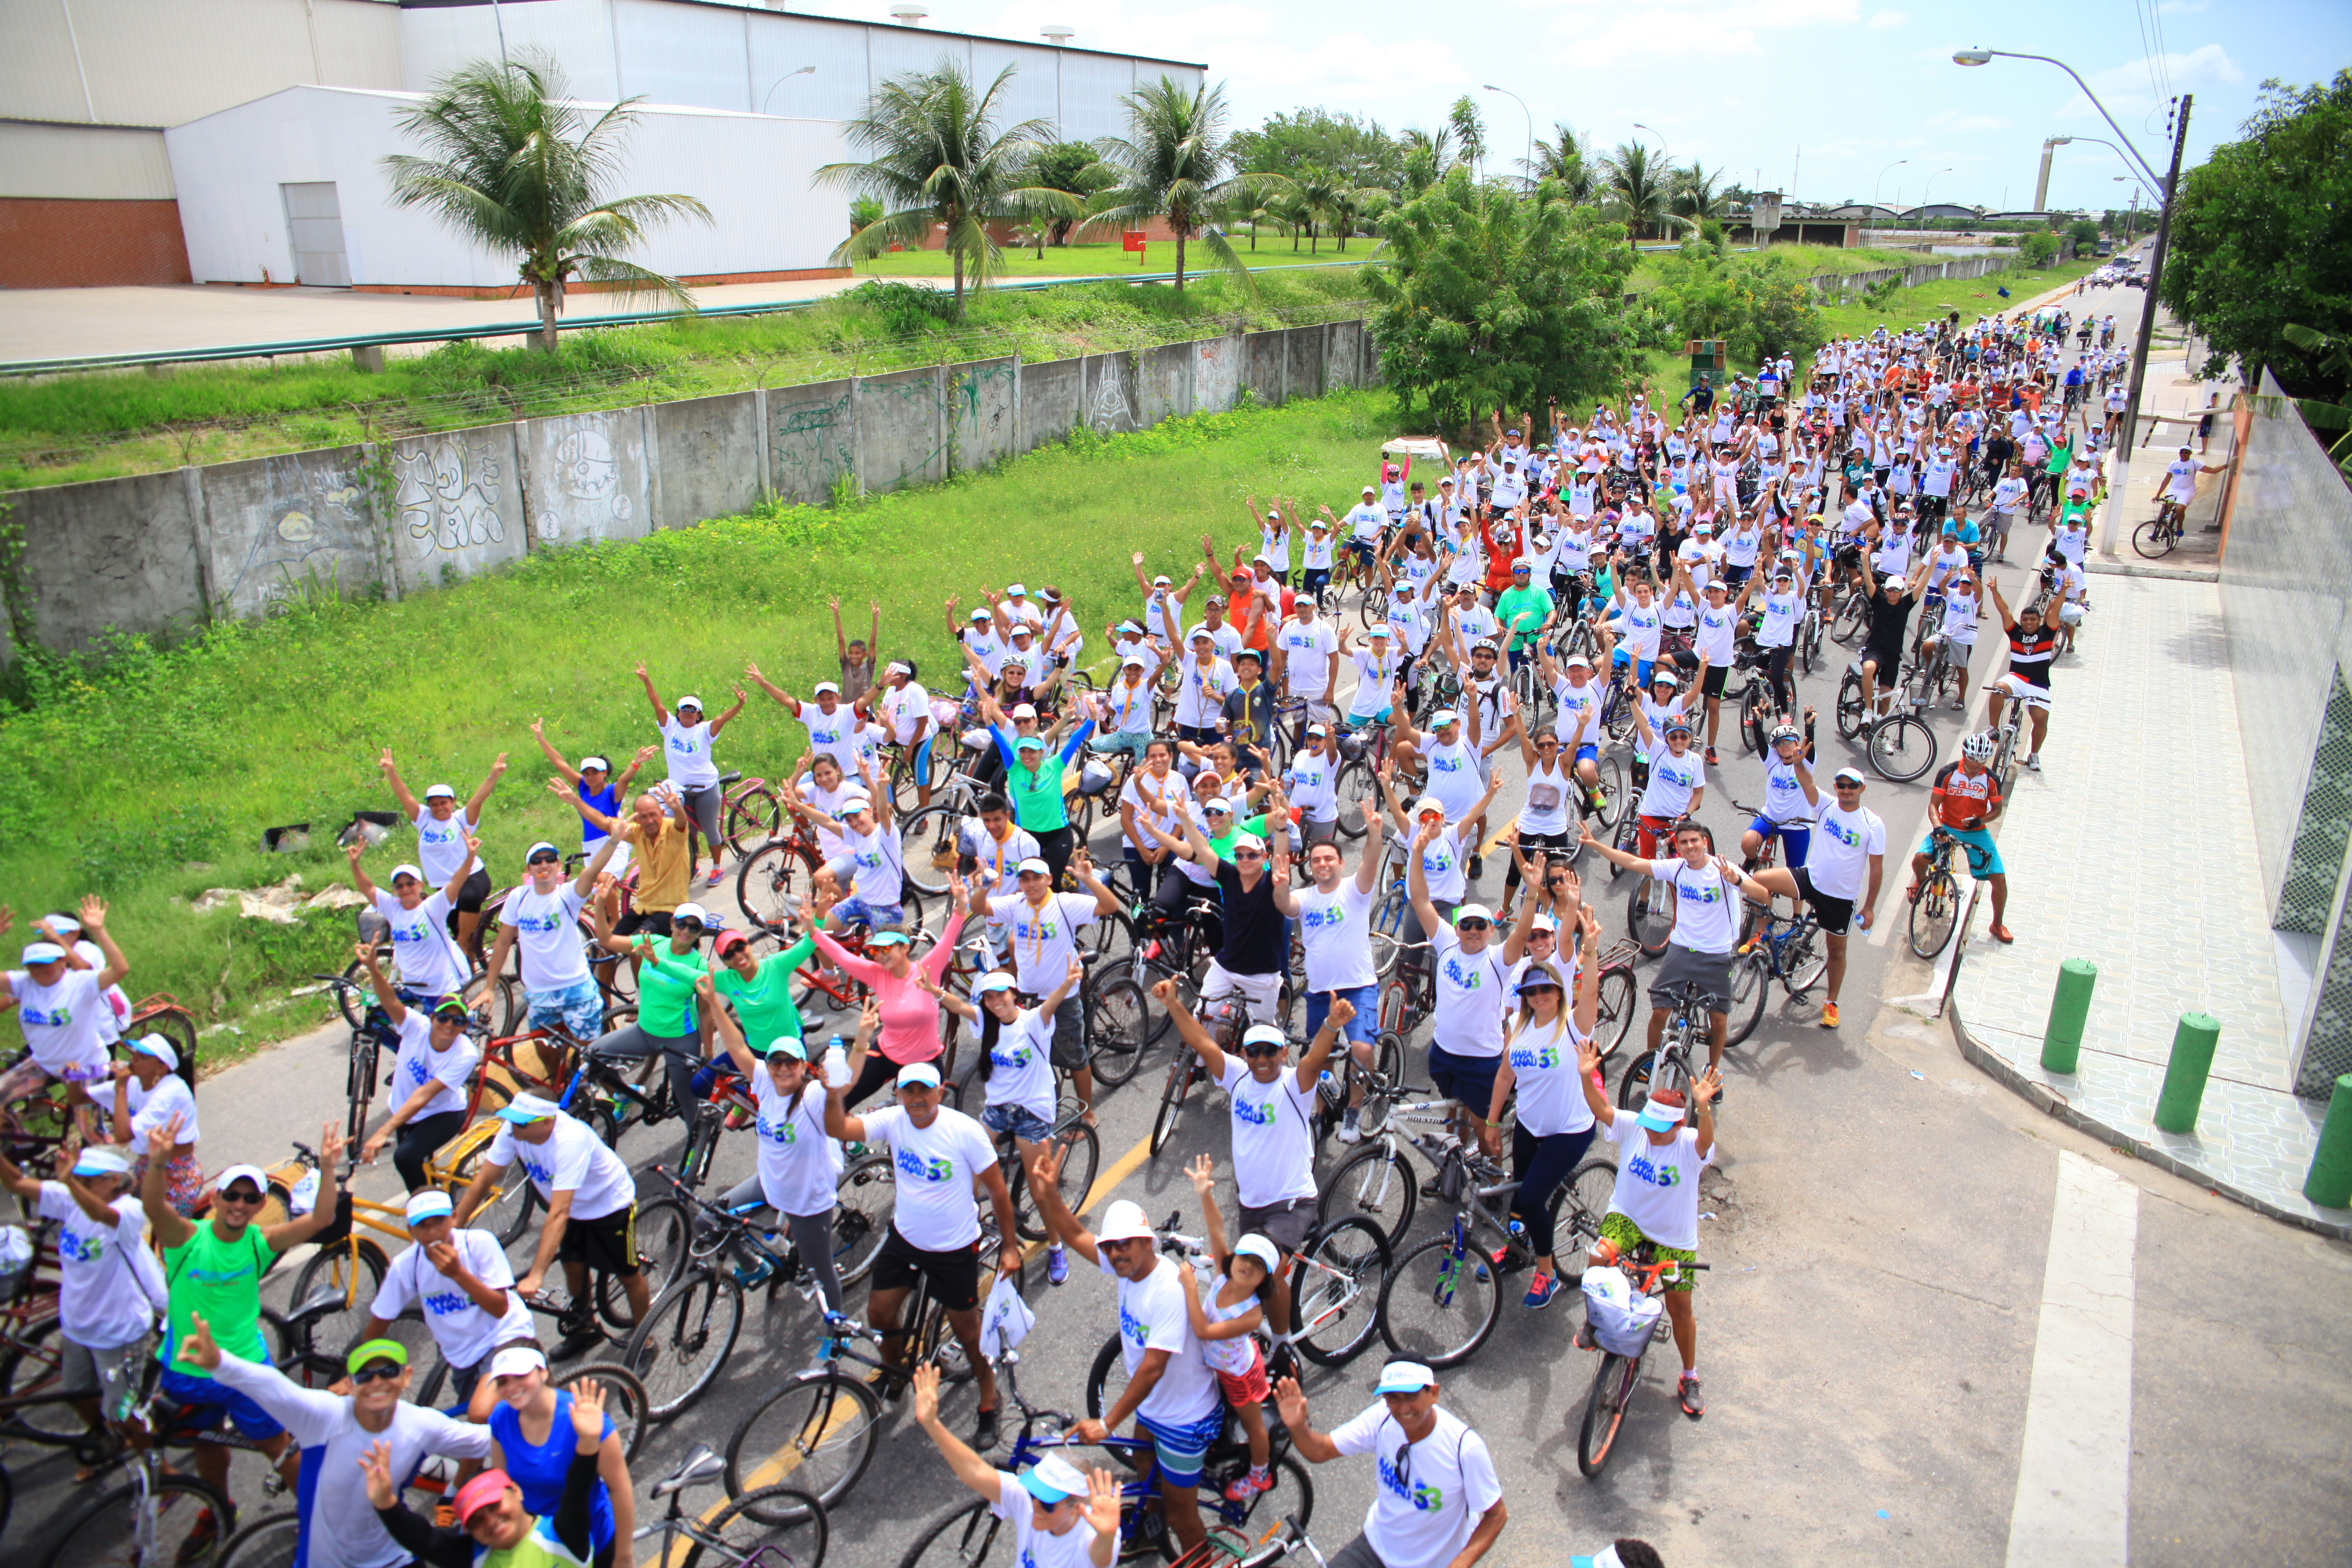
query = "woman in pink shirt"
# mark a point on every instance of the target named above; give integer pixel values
(911, 1017)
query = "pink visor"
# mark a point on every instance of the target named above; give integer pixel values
(484, 1488)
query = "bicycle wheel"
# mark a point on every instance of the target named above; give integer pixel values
(1902, 748)
(1604, 1411)
(867, 1192)
(355, 1270)
(1439, 1304)
(1848, 706)
(772, 882)
(1634, 1087)
(1334, 1290)
(1360, 797)
(1803, 963)
(1852, 616)
(1934, 913)
(2154, 539)
(930, 840)
(1106, 1378)
(1578, 1206)
(1809, 639)
(1615, 1019)
(817, 1433)
(269, 1541)
(1387, 932)
(1751, 987)
(624, 1400)
(1180, 1073)
(970, 1537)
(1081, 1151)
(32, 1368)
(1118, 1024)
(752, 818)
(1375, 608)
(1650, 915)
(129, 1526)
(1610, 774)
(688, 1335)
(783, 1527)
(665, 1230)
(1376, 1183)
(507, 1207)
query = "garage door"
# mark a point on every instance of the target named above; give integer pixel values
(316, 221)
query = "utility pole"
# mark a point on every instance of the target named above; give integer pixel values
(2119, 473)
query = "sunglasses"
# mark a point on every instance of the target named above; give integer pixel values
(1472, 925)
(1262, 1050)
(544, 860)
(377, 1372)
(236, 1195)
(1248, 855)
(689, 922)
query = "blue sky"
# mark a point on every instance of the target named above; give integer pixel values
(1828, 92)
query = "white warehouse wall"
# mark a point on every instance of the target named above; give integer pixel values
(751, 171)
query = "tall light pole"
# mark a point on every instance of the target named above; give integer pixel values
(805, 70)
(1924, 189)
(2050, 144)
(1530, 160)
(1876, 183)
(2119, 476)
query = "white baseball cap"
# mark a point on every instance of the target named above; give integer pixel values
(1124, 1221)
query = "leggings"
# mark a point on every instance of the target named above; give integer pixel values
(680, 1059)
(1054, 847)
(1539, 1165)
(812, 1237)
(416, 1141)
(1776, 671)
(880, 1072)
(704, 805)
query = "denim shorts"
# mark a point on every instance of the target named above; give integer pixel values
(578, 1007)
(1363, 1027)
(1018, 1119)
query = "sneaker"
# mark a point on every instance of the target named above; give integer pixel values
(983, 1430)
(1710, 756)
(1246, 1486)
(2033, 762)
(1057, 1264)
(1351, 1130)
(205, 1534)
(1600, 803)
(751, 1276)
(578, 1340)
(1540, 1290)
(1694, 1402)
(1829, 1015)
(716, 877)
(1477, 866)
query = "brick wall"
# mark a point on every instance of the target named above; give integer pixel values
(50, 243)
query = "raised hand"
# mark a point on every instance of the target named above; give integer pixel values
(376, 1465)
(588, 1410)
(1103, 1500)
(1342, 1010)
(926, 1384)
(1203, 1173)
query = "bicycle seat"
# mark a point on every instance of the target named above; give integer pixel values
(699, 1468)
(726, 779)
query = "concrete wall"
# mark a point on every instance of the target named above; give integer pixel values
(1930, 272)
(161, 551)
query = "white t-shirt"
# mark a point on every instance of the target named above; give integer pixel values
(687, 751)
(547, 936)
(1033, 1547)
(427, 958)
(1546, 810)
(1453, 774)
(995, 862)
(1127, 709)
(1673, 780)
(1472, 992)
(1156, 800)
(62, 1023)
(1441, 868)
(419, 1064)
(153, 1108)
(465, 1333)
(1274, 1141)
(937, 1166)
(1201, 693)
(1837, 863)
(2181, 480)
(1704, 920)
(1784, 795)
(1717, 630)
(1423, 1513)
(1312, 782)
(104, 1298)
(1657, 1184)
(1576, 702)
(875, 863)
(903, 708)
(1544, 1070)
(573, 1160)
(441, 846)
(1152, 1316)
(1021, 1064)
(1375, 681)
(1307, 649)
(1336, 930)
(1044, 939)
(833, 735)
(798, 1164)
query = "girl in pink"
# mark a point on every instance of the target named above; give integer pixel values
(910, 1016)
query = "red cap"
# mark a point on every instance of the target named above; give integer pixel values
(484, 1488)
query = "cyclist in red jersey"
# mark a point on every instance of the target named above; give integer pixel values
(1965, 798)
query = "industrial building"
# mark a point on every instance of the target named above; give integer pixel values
(240, 140)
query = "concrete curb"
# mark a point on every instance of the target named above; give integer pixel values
(2043, 1098)
(2133, 569)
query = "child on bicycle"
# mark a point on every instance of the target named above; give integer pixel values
(1224, 1321)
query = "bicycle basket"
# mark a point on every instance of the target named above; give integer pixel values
(1622, 1319)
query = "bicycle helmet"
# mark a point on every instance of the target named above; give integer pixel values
(1980, 747)
(1786, 732)
(1484, 645)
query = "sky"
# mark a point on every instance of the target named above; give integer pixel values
(1818, 98)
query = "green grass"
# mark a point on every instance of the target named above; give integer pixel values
(1971, 297)
(1107, 259)
(151, 777)
(62, 430)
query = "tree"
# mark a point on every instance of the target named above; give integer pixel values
(2332, 357)
(1758, 304)
(1358, 151)
(1427, 156)
(1495, 300)
(1174, 165)
(936, 159)
(1469, 130)
(2262, 237)
(1066, 166)
(1639, 196)
(519, 169)
(1695, 195)
(1562, 161)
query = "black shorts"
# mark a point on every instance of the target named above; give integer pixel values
(954, 1276)
(472, 894)
(607, 1244)
(655, 922)
(1711, 685)
(1286, 1224)
(1834, 913)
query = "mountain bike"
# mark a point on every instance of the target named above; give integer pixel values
(1783, 948)
(774, 1527)
(1935, 897)
(2155, 538)
(1684, 1041)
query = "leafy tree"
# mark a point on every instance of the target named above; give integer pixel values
(2040, 249)
(2083, 235)
(863, 211)
(1066, 166)
(2332, 359)
(1358, 151)
(1562, 161)
(521, 170)
(2262, 237)
(1695, 193)
(1427, 156)
(1469, 130)
(1174, 164)
(1758, 304)
(1639, 195)
(1491, 301)
(937, 158)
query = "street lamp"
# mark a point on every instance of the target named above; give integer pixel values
(2119, 475)
(1530, 159)
(1923, 190)
(780, 81)
(1879, 182)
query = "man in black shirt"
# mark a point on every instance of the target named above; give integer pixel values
(1891, 604)
(1256, 950)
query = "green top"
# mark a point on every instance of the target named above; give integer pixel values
(221, 1279)
(666, 992)
(2061, 456)
(763, 1004)
(1519, 611)
(1223, 843)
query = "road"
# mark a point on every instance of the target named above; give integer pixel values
(1939, 1328)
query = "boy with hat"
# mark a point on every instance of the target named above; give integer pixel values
(430, 1073)
(1060, 1516)
(471, 1308)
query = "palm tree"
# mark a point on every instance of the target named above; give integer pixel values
(1470, 128)
(1174, 165)
(1698, 195)
(1318, 191)
(521, 170)
(1427, 156)
(1563, 162)
(937, 158)
(1637, 192)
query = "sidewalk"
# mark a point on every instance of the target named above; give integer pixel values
(2135, 849)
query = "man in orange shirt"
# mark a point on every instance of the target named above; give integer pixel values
(1965, 798)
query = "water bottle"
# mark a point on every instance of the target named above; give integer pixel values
(837, 1062)
(1328, 1088)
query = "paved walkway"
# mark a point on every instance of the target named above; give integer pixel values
(2120, 854)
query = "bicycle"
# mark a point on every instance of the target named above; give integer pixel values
(773, 1526)
(1901, 745)
(2156, 539)
(154, 1519)
(1935, 897)
(1230, 1016)
(1782, 948)
(1442, 1298)
(1669, 1066)
(1613, 1381)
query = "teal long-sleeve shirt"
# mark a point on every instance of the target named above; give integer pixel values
(665, 991)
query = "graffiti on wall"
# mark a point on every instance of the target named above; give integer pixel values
(447, 495)
(1108, 409)
(313, 525)
(984, 422)
(811, 444)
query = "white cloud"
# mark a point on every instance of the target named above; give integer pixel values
(1889, 20)
(2126, 91)
(1950, 120)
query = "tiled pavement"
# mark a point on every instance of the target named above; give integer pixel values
(2135, 849)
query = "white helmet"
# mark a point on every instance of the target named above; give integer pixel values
(1980, 747)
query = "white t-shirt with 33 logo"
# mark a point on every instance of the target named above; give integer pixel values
(1425, 1504)
(1043, 937)
(463, 1331)
(1544, 1071)
(1704, 904)
(1471, 996)
(419, 1064)
(1838, 860)
(573, 1160)
(1274, 1143)
(1335, 928)
(547, 936)
(799, 1165)
(934, 1167)
(1152, 1317)
(1021, 1064)
(1657, 1184)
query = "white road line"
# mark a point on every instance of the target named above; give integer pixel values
(2074, 1470)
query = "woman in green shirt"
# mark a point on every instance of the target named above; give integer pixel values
(666, 1022)
(761, 989)
(1033, 778)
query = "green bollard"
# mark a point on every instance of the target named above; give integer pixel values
(2184, 1076)
(2070, 1007)
(2330, 1182)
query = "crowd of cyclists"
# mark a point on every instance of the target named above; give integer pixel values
(1299, 744)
